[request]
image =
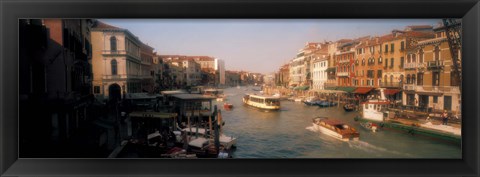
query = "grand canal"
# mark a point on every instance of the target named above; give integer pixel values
(287, 134)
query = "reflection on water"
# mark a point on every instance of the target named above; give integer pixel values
(287, 133)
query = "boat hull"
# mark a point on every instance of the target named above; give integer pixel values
(332, 133)
(261, 106)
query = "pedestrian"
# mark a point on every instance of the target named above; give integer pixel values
(445, 117)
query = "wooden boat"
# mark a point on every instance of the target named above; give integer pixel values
(349, 107)
(335, 128)
(262, 102)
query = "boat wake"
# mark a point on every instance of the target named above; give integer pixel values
(362, 145)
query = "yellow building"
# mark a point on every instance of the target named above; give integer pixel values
(116, 61)
(431, 84)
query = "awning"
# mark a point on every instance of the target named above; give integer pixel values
(391, 91)
(346, 89)
(330, 88)
(363, 90)
(430, 93)
(301, 88)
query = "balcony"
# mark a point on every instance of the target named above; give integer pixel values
(391, 84)
(343, 74)
(114, 52)
(120, 77)
(437, 64)
(438, 89)
(408, 86)
(413, 65)
(344, 61)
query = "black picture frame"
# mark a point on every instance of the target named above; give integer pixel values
(11, 11)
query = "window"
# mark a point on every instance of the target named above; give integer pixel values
(420, 56)
(380, 60)
(414, 58)
(379, 73)
(436, 53)
(386, 62)
(386, 48)
(391, 47)
(114, 66)
(391, 63)
(402, 46)
(113, 43)
(420, 79)
(435, 79)
(413, 79)
(408, 79)
(435, 99)
(402, 60)
(96, 89)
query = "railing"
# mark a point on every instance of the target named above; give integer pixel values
(121, 76)
(413, 65)
(344, 61)
(442, 89)
(340, 74)
(391, 84)
(435, 64)
(408, 86)
(114, 52)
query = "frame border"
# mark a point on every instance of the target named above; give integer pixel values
(11, 11)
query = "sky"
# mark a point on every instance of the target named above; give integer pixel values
(255, 45)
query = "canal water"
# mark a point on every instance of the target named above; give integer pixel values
(288, 133)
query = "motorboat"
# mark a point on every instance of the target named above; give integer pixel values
(369, 126)
(226, 141)
(335, 128)
(227, 106)
(349, 107)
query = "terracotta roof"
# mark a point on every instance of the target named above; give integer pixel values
(385, 38)
(101, 25)
(419, 34)
(344, 40)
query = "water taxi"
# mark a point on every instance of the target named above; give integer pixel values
(262, 102)
(335, 128)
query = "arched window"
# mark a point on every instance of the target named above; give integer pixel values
(391, 78)
(420, 56)
(413, 78)
(113, 43)
(436, 52)
(408, 79)
(409, 58)
(114, 66)
(414, 58)
(380, 60)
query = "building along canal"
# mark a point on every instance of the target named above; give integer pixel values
(288, 133)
